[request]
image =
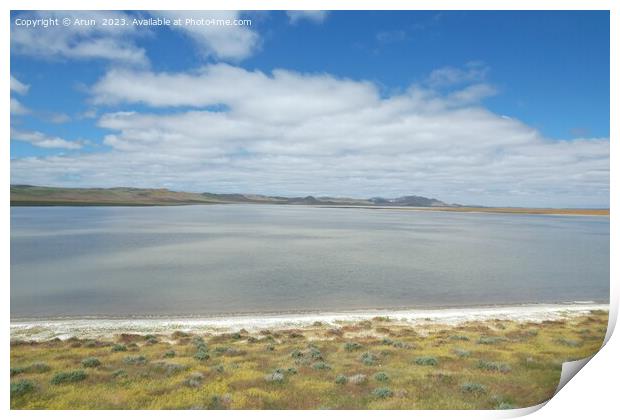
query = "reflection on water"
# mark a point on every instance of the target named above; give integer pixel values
(204, 260)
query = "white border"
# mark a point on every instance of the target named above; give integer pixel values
(592, 394)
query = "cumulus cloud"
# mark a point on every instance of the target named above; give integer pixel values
(112, 43)
(315, 16)
(38, 139)
(233, 42)
(227, 129)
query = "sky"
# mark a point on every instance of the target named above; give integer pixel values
(490, 108)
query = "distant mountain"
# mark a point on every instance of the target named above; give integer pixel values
(30, 195)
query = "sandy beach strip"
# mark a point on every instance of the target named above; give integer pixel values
(40, 330)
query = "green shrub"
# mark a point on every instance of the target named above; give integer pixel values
(21, 387)
(297, 354)
(567, 342)
(119, 347)
(170, 353)
(494, 366)
(351, 346)
(473, 388)
(119, 373)
(368, 358)
(382, 392)
(291, 371)
(68, 377)
(135, 360)
(382, 377)
(490, 340)
(321, 366)
(341, 379)
(91, 362)
(201, 355)
(17, 371)
(462, 352)
(459, 338)
(38, 367)
(194, 380)
(426, 361)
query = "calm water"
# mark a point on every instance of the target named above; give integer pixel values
(205, 260)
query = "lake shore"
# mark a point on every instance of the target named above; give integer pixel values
(498, 359)
(103, 327)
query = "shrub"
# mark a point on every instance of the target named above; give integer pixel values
(201, 355)
(368, 359)
(341, 379)
(494, 366)
(426, 361)
(21, 387)
(315, 354)
(135, 360)
(170, 353)
(91, 362)
(382, 392)
(194, 380)
(459, 338)
(119, 373)
(291, 371)
(297, 354)
(351, 346)
(38, 367)
(119, 347)
(219, 368)
(358, 379)
(401, 345)
(473, 388)
(387, 342)
(567, 342)
(490, 340)
(269, 347)
(382, 377)
(462, 352)
(321, 366)
(68, 377)
(276, 377)
(169, 368)
(17, 371)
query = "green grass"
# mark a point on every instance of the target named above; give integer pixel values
(501, 366)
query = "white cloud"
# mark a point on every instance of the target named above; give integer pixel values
(17, 108)
(474, 71)
(315, 16)
(233, 42)
(78, 42)
(296, 134)
(18, 87)
(39, 139)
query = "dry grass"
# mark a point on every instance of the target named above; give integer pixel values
(476, 365)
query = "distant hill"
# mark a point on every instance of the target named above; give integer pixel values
(29, 195)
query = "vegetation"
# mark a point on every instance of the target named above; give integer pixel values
(490, 365)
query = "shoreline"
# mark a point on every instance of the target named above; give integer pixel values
(64, 328)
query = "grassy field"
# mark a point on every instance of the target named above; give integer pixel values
(377, 364)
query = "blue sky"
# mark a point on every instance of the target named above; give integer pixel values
(495, 108)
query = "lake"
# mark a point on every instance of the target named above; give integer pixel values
(224, 259)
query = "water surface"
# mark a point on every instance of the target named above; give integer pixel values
(219, 259)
